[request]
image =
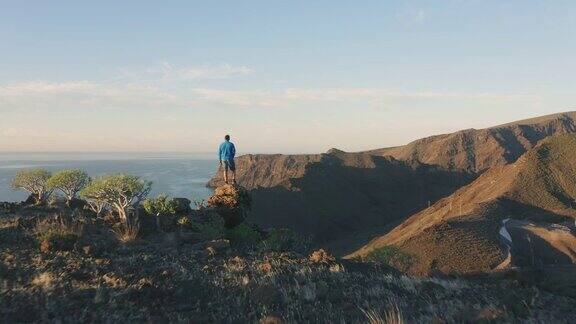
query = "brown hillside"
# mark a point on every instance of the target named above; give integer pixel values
(332, 196)
(460, 232)
(478, 150)
(342, 198)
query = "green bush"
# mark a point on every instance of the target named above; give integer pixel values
(211, 226)
(243, 235)
(69, 182)
(285, 240)
(391, 255)
(35, 182)
(55, 240)
(58, 233)
(161, 205)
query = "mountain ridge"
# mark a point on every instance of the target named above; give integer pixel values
(537, 187)
(336, 195)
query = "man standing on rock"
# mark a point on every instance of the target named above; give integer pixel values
(226, 154)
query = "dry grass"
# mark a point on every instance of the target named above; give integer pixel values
(128, 231)
(44, 280)
(392, 316)
(62, 224)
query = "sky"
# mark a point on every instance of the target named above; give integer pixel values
(278, 76)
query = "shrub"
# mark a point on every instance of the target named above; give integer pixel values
(128, 230)
(161, 205)
(35, 182)
(243, 234)
(285, 240)
(58, 234)
(121, 191)
(210, 226)
(184, 222)
(57, 241)
(69, 182)
(391, 255)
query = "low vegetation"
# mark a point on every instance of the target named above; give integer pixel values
(163, 209)
(215, 281)
(214, 266)
(244, 235)
(391, 255)
(159, 206)
(59, 233)
(128, 230)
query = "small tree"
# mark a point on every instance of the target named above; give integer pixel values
(121, 191)
(35, 182)
(70, 182)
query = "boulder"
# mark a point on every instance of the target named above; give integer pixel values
(231, 196)
(232, 203)
(182, 205)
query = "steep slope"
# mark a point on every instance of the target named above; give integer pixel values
(341, 197)
(478, 150)
(332, 196)
(460, 232)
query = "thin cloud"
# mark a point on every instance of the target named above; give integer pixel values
(97, 95)
(166, 72)
(84, 94)
(412, 17)
(287, 97)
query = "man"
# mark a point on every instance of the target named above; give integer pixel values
(226, 154)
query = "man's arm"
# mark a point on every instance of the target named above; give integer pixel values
(220, 154)
(233, 150)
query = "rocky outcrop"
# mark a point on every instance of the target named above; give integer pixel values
(232, 203)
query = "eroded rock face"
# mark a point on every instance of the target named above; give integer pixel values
(231, 196)
(231, 202)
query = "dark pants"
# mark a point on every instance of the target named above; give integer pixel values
(229, 165)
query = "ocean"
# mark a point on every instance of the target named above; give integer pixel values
(176, 174)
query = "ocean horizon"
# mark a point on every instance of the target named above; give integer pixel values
(176, 174)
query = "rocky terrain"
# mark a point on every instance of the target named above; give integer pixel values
(476, 226)
(461, 232)
(342, 200)
(210, 266)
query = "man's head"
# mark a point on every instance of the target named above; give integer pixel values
(227, 137)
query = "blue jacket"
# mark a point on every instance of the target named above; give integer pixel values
(227, 151)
